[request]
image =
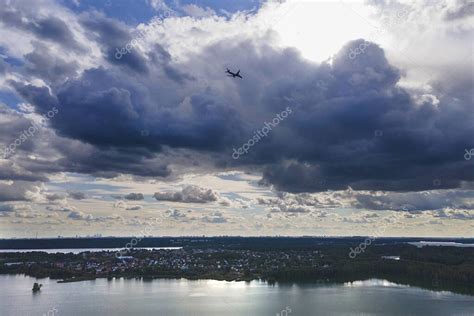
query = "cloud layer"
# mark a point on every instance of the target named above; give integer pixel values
(360, 135)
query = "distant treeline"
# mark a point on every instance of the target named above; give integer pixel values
(437, 268)
(253, 243)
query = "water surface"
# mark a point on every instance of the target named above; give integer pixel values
(216, 298)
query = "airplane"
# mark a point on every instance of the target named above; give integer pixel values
(233, 75)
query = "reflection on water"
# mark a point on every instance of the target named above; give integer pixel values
(421, 244)
(209, 297)
(373, 282)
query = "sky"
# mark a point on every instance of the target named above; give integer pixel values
(117, 118)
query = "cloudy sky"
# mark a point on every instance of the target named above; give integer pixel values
(352, 118)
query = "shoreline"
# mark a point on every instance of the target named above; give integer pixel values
(337, 281)
(302, 261)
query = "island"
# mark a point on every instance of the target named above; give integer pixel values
(36, 287)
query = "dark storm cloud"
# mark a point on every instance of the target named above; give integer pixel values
(160, 56)
(108, 110)
(41, 62)
(74, 155)
(3, 66)
(9, 171)
(100, 162)
(12, 128)
(39, 96)
(145, 103)
(47, 28)
(114, 111)
(12, 124)
(110, 164)
(114, 37)
(17, 191)
(335, 144)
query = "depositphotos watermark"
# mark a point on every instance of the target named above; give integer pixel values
(284, 312)
(155, 22)
(27, 133)
(387, 24)
(369, 240)
(261, 133)
(469, 153)
(52, 312)
(134, 241)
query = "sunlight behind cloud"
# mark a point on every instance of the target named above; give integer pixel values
(314, 27)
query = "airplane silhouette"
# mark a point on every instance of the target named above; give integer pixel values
(233, 75)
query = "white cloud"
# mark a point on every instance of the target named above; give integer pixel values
(198, 12)
(214, 218)
(454, 214)
(78, 215)
(7, 208)
(175, 214)
(158, 5)
(63, 207)
(189, 194)
(134, 208)
(374, 200)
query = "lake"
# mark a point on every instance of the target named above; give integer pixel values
(421, 244)
(172, 297)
